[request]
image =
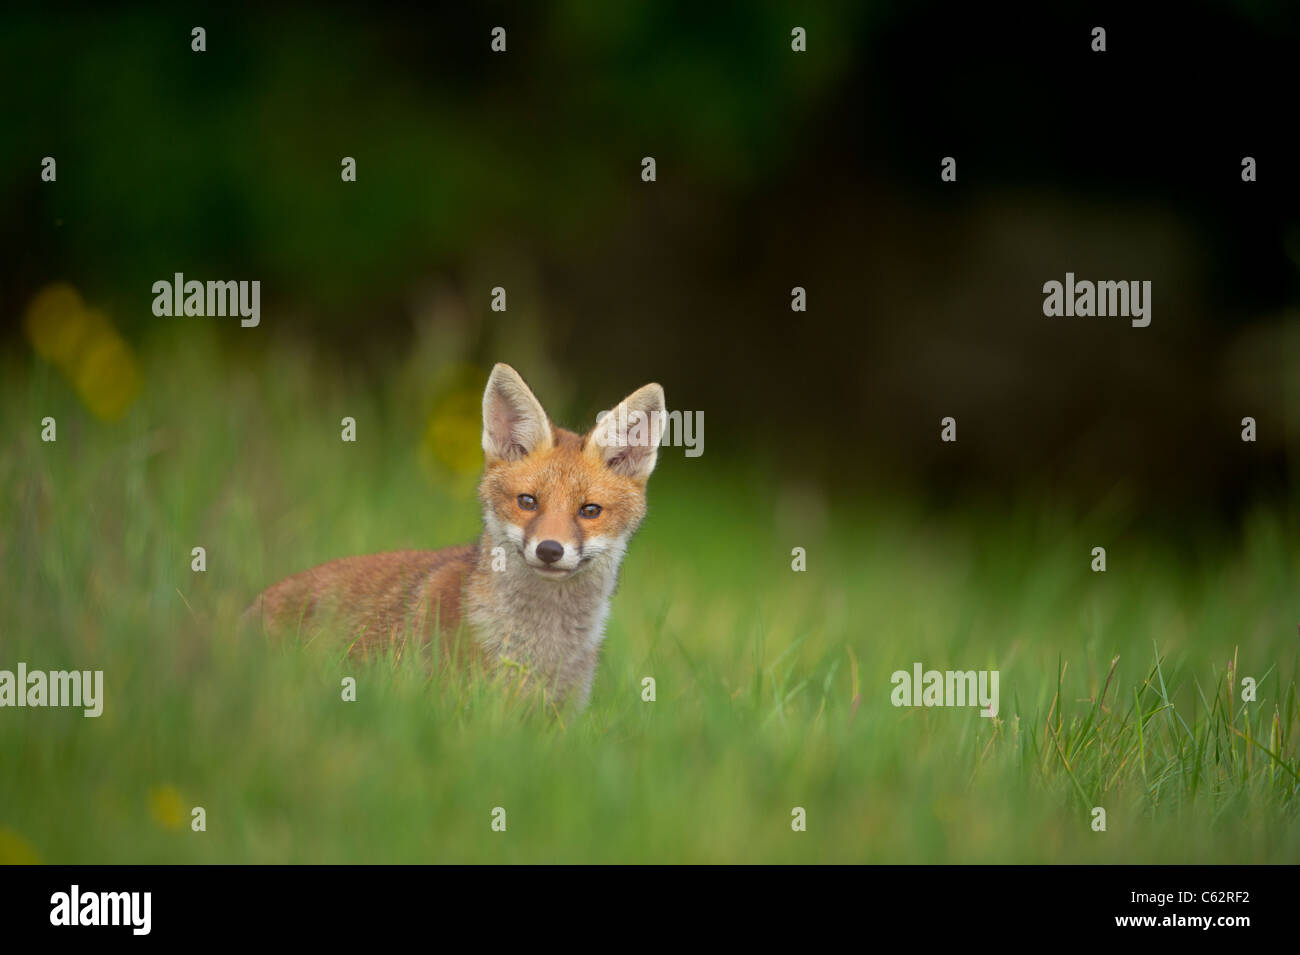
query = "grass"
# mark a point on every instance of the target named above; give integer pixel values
(1120, 690)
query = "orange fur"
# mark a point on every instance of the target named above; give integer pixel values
(499, 597)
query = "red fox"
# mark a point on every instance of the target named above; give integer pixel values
(558, 511)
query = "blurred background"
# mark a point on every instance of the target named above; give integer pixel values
(775, 169)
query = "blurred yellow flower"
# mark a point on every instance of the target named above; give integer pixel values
(15, 850)
(454, 433)
(82, 343)
(56, 323)
(166, 806)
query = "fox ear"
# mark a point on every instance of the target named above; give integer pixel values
(626, 438)
(514, 423)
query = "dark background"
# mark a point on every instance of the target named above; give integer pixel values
(775, 169)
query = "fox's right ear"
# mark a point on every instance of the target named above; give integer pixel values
(514, 423)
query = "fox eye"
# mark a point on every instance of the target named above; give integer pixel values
(590, 510)
(527, 502)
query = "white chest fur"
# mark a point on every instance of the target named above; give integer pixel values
(553, 628)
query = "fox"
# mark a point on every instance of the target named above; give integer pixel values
(558, 508)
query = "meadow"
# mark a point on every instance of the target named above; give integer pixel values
(1120, 690)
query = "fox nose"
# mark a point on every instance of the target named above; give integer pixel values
(550, 551)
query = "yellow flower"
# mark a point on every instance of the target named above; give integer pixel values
(453, 436)
(166, 806)
(83, 344)
(15, 850)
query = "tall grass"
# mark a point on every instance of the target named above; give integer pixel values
(1120, 690)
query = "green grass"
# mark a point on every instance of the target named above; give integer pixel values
(773, 687)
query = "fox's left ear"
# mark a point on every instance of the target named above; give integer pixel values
(626, 439)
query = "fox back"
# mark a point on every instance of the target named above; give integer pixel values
(558, 511)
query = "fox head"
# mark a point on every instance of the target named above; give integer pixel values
(563, 501)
